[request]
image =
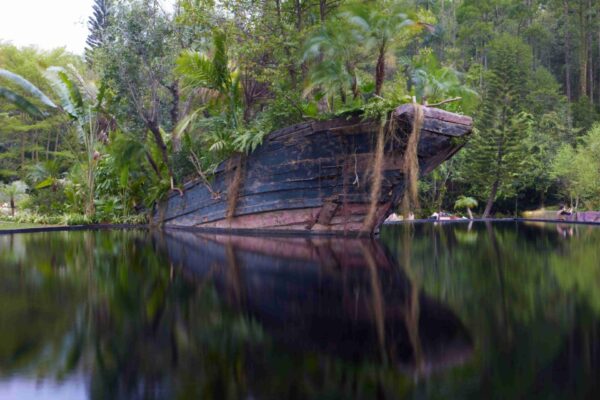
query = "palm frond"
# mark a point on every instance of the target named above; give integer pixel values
(196, 70)
(185, 122)
(220, 61)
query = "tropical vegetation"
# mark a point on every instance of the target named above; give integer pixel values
(161, 96)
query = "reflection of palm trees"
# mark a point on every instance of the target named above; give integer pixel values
(234, 320)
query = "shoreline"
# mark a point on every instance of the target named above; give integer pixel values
(97, 227)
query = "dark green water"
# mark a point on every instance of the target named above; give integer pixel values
(489, 311)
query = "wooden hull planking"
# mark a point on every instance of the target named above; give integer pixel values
(314, 177)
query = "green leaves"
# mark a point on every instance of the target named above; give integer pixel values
(433, 82)
(464, 202)
(27, 86)
(198, 70)
(577, 169)
(19, 101)
(48, 182)
(66, 90)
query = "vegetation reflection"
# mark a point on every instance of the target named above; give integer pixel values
(503, 307)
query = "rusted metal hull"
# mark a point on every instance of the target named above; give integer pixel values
(315, 177)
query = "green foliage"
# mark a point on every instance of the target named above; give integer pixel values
(496, 153)
(186, 90)
(464, 202)
(50, 202)
(13, 193)
(584, 113)
(578, 170)
(433, 83)
(76, 219)
(20, 101)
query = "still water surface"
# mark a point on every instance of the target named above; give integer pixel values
(503, 310)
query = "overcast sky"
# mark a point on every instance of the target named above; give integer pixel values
(46, 23)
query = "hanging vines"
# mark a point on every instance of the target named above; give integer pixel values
(377, 174)
(410, 199)
(235, 185)
(410, 166)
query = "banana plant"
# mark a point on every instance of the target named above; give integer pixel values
(20, 101)
(82, 101)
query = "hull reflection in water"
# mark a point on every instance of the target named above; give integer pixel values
(343, 297)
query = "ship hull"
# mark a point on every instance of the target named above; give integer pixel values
(314, 177)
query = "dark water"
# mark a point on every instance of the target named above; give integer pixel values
(454, 311)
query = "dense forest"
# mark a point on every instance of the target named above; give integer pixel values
(162, 96)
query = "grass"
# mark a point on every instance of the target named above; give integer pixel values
(15, 225)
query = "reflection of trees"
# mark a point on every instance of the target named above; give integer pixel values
(107, 303)
(521, 291)
(110, 305)
(38, 305)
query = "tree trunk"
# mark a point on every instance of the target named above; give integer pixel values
(153, 164)
(56, 140)
(174, 90)
(286, 48)
(470, 213)
(380, 69)
(12, 206)
(583, 52)
(298, 9)
(491, 199)
(22, 151)
(153, 127)
(590, 53)
(48, 139)
(567, 52)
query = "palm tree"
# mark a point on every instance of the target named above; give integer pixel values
(431, 82)
(18, 100)
(464, 202)
(378, 29)
(334, 70)
(46, 174)
(212, 78)
(13, 192)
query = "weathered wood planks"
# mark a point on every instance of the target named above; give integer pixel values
(315, 177)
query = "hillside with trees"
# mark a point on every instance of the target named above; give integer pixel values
(161, 97)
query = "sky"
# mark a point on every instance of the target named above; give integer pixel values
(46, 24)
